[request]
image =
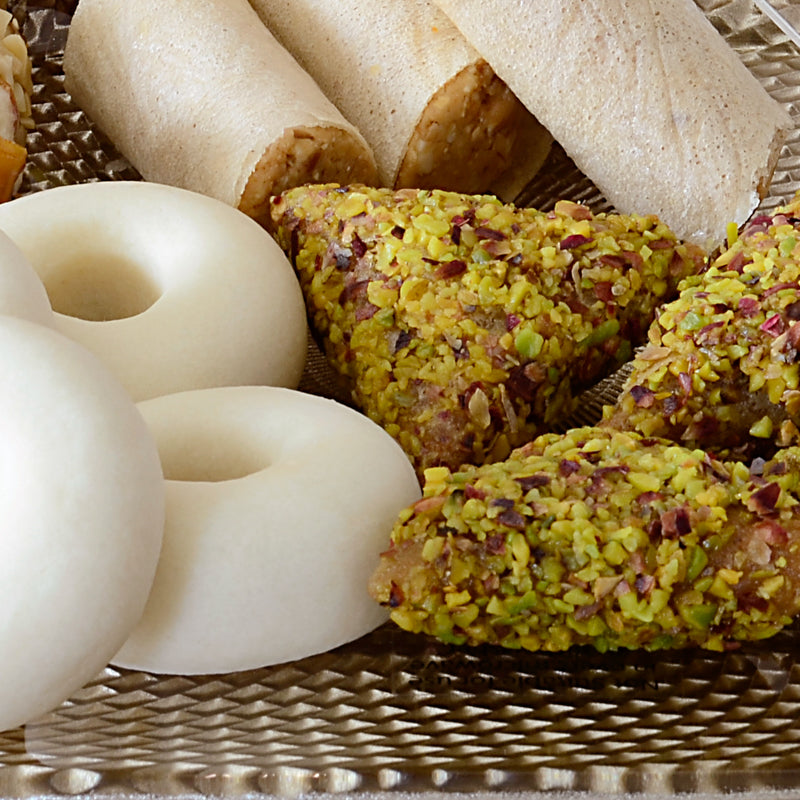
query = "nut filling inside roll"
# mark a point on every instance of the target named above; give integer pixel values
(474, 120)
(303, 155)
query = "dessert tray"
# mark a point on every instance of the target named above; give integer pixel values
(392, 713)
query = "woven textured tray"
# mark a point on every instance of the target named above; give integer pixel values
(395, 713)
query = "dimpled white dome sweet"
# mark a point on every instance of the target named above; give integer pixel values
(278, 504)
(82, 499)
(171, 289)
(22, 294)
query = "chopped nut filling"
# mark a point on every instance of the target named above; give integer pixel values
(466, 135)
(304, 155)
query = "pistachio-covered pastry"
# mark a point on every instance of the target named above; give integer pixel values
(722, 367)
(465, 326)
(598, 537)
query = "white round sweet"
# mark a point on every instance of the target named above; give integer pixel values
(22, 294)
(171, 289)
(82, 498)
(278, 506)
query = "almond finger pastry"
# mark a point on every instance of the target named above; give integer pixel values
(465, 326)
(16, 87)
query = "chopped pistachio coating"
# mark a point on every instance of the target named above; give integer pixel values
(465, 326)
(598, 537)
(721, 369)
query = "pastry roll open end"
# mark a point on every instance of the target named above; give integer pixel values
(203, 97)
(653, 106)
(474, 136)
(299, 156)
(433, 110)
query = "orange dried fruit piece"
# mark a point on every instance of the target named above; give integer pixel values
(12, 162)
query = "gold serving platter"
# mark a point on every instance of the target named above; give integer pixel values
(393, 714)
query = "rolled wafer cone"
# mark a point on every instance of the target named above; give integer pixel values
(434, 112)
(646, 97)
(202, 96)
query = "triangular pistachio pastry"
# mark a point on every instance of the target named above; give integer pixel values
(721, 369)
(465, 326)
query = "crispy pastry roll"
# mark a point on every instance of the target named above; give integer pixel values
(202, 96)
(465, 326)
(722, 367)
(16, 88)
(646, 97)
(434, 112)
(598, 537)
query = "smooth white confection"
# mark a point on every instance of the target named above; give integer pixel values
(22, 294)
(171, 289)
(82, 498)
(278, 506)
